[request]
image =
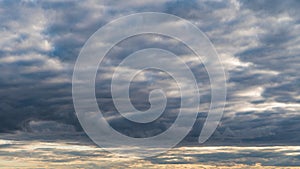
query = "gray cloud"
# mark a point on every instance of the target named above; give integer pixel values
(258, 42)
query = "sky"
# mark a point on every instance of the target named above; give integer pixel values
(257, 42)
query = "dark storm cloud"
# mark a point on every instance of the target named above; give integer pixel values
(35, 85)
(258, 43)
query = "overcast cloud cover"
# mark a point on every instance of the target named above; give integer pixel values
(258, 42)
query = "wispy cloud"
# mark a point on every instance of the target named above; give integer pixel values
(29, 154)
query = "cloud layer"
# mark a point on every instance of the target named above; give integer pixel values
(258, 42)
(28, 154)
